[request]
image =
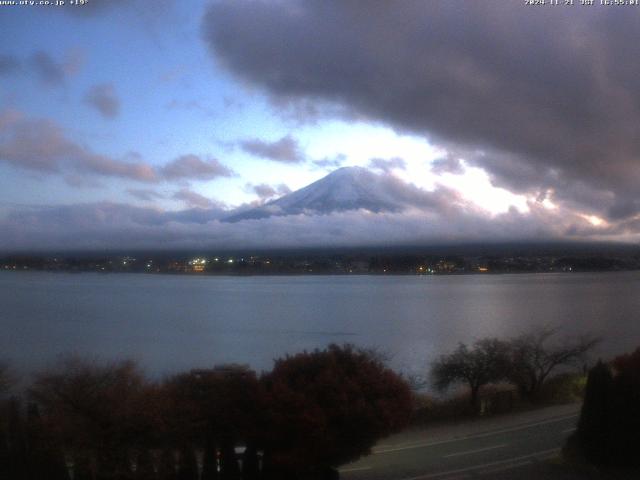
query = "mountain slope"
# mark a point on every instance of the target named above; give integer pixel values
(348, 188)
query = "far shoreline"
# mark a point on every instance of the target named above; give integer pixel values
(312, 274)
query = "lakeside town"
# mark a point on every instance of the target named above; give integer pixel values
(332, 263)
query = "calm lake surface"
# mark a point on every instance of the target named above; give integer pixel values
(169, 322)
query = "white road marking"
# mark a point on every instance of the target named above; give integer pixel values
(353, 469)
(409, 446)
(505, 467)
(542, 453)
(478, 450)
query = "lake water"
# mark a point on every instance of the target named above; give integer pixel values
(169, 322)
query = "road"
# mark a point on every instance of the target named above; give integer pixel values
(480, 449)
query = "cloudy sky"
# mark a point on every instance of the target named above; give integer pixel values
(142, 123)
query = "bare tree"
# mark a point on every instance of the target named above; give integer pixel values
(485, 362)
(534, 356)
(93, 410)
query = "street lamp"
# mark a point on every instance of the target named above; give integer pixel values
(260, 455)
(155, 453)
(70, 463)
(239, 450)
(176, 461)
(200, 461)
(133, 462)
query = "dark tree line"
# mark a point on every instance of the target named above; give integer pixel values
(525, 361)
(311, 413)
(609, 425)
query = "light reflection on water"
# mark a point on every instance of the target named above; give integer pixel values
(176, 322)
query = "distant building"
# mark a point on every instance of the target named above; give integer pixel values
(197, 265)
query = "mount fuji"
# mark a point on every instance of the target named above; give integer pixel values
(348, 188)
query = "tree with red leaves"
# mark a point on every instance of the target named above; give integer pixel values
(329, 407)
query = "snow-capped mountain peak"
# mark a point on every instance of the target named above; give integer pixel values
(348, 188)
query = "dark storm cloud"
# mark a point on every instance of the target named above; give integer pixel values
(42, 146)
(548, 97)
(284, 150)
(104, 99)
(9, 64)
